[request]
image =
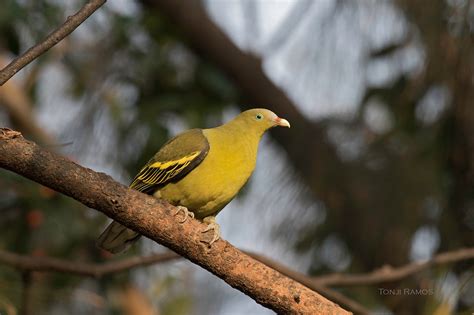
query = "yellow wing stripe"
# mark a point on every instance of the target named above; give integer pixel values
(163, 165)
(160, 172)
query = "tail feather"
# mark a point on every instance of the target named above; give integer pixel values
(117, 238)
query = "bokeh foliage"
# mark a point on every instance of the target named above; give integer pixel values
(133, 80)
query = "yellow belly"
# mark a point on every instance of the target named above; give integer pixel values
(215, 182)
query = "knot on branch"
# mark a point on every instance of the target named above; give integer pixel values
(115, 203)
(297, 298)
(8, 134)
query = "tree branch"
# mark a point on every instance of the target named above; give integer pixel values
(29, 263)
(320, 284)
(384, 274)
(312, 284)
(71, 23)
(26, 263)
(153, 218)
(388, 273)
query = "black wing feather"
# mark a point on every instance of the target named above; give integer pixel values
(173, 161)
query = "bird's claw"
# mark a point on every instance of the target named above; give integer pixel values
(211, 225)
(186, 213)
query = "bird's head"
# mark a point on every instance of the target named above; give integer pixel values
(261, 119)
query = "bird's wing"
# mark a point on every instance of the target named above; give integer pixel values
(173, 161)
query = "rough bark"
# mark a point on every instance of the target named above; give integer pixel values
(154, 218)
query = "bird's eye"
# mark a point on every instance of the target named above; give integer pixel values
(259, 116)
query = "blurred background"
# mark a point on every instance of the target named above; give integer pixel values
(377, 169)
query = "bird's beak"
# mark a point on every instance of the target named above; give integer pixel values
(282, 122)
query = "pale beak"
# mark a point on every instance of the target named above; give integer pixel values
(282, 122)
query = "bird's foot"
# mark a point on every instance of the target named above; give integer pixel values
(216, 230)
(186, 213)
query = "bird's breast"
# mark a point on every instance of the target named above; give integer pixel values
(219, 177)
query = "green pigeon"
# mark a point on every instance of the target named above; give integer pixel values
(200, 171)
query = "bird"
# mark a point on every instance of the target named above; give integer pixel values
(199, 171)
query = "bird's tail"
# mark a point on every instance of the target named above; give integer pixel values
(117, 238)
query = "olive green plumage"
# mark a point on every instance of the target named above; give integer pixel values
(201, 170)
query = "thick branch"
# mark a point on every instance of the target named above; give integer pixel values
(153, 218)
(52, 39)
